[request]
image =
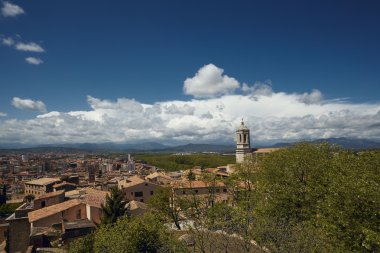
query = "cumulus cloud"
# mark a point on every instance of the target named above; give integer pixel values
(279, 117)
(3, 114)
(11, 10)
(272, 117)
(29, 104)
(314, 97)
(29, 47)
(258, 89)
(34, 60)
(7, 41)
(209, 81)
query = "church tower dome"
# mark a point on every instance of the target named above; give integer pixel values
(243, 143)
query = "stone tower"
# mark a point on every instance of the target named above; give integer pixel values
(243, 143)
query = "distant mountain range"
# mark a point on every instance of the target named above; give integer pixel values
(356, 144)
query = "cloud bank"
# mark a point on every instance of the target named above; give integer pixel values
(272, 117)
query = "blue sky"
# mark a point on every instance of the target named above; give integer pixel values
(145, 50)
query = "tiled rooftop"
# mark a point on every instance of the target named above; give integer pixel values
(43, 181)
(50, 210)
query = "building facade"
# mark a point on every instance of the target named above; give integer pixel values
(40, 186)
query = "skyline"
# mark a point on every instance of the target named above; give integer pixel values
(188, 72)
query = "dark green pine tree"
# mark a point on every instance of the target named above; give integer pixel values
(114, 207)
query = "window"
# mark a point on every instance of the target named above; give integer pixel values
(43, 203)
(151, 192)
(196, 191)
(131, 193)
(139, 194)
(224, 190)
(79, 214)
(183, 192)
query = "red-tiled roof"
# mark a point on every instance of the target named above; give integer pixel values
(50, 210)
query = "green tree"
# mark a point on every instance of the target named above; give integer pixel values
(29, 198)
(165, 205)
(114, 207)
(321, 192)
(141, 234)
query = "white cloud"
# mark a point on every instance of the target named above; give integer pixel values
(258, 88)
(279, 117)
(3, 114)
(29, 47)
(34, 60)
(11, 10)
(29, 105)
(209, 81)
(313, 97)
(272, 117)
(7, 41)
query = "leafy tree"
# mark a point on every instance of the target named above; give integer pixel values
(114, 207)
(141, 234)
(321, 192)
(164, 204)
(8, 209)
(29, 198)
(83, 245)
(191, 176)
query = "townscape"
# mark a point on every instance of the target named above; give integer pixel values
(68, 190)
(62, 199)
(195, 126)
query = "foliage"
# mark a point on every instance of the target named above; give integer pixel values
(29, 198)
(141, 234)
(83, 245)
(165, 206)
(8, 209)
(114, 207)
(169, 162)
(322, 192)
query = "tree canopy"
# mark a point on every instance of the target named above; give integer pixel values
(114, 206)
(321, 192)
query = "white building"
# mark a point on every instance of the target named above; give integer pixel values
(243, 143)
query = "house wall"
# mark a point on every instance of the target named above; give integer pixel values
(67, 215)
(19, 230)
(147, 189)
(3, 231)
(49, 201)
(95, 214)
(38, 190)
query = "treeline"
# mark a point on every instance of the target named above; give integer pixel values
(8, 208)
(305, 198)
(171, 162)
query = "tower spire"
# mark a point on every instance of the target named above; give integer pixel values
(243, 145)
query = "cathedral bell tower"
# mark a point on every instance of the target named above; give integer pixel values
(243, 143)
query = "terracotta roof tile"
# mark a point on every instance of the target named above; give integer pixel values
(50, 210)
(50, 194)
(43, 181)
